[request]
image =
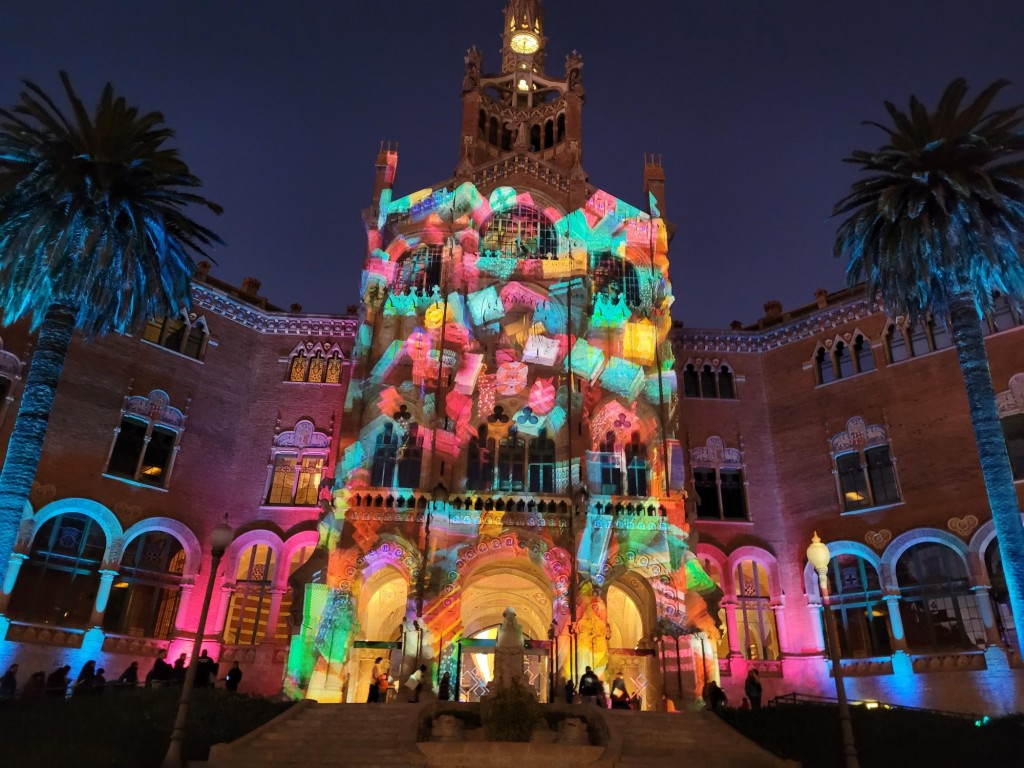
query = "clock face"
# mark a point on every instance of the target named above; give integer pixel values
(524, 43)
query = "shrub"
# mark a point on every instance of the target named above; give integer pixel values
(510, 713)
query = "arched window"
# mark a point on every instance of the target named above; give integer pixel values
(549, 134)
(511, 461)
(143, 452)
(726, 387)
(1003, 315)
(611, 466)
(857, 606)
(755, 620)
(58, 583)
(296, 480)
(410, 457)
(862, 354)
(939, 331)
(691, 385)
(492, 132)
(385, 456)
(285, 627)
(482, 123)
(561, 126)
(542, 463)
(1000, 595)
(864, 467)
(823, 366)
(918, 339)
(636, 467)
(614, 276)
(844, 363)
(535, 138)
(936, 602)
(144, 596)
(186, 334)
(896, 343)
(708, 386)
(297, 369)
(521, 232)
(420, 269)
(250, 599)
(480, 461)
(718, 480)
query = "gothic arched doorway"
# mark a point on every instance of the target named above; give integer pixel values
(382, 607)
(489, 590)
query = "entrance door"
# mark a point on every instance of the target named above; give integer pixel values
(361, 666)
(475, 667)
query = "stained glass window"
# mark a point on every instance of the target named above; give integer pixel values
(521, 232)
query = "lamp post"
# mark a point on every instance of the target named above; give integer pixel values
(220, 538)
(580, 498)
(818, 556)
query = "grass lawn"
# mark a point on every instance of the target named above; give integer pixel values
(123, 729)
(904, 738)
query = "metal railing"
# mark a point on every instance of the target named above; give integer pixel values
(806, 698)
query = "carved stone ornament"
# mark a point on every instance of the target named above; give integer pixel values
(41, 494)
(878, 539)
(962, 526)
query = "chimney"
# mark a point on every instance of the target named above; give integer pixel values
(735, 325)
(251, 287)
(203, 269)
(821, 297)
(772, 309)
(295, 309)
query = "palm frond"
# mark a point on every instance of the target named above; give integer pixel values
(94, 212)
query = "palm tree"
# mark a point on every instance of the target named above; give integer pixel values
(93, 237)
(938, 227)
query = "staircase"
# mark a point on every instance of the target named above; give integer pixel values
(656, 739)
(384, 736)
(328, 735)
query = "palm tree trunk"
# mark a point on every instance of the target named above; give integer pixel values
(991, 444)
(26, 445)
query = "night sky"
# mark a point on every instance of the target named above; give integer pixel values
(280, 108)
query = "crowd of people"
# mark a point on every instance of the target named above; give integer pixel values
(93, 682)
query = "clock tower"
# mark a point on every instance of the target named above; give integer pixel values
(523, 37)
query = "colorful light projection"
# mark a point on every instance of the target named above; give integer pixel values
(513, 354)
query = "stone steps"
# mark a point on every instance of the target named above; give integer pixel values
(656, 739)
(365, 736)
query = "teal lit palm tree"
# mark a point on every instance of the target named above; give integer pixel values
(93, 237)
(937, 227)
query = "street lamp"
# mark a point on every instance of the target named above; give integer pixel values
(818, 556)
(220, 538)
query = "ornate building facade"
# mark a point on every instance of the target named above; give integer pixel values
(510, 419)
(509, 433)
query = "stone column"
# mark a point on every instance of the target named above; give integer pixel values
(226, 591)
(817, 620)
(13, 566)
(102, 596)
(185, 598)
(732, 627)
(892, 604)
(983, 598)
(779, 610)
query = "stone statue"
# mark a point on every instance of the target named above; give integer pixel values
(508, 652)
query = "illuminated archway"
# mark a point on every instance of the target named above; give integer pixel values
(382, 604)
(516, 584)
